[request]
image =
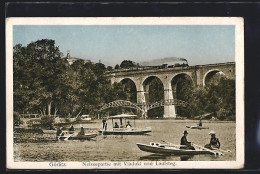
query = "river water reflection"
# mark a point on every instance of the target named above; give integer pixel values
(124, 148)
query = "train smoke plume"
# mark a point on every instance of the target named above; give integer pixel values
(167, 60)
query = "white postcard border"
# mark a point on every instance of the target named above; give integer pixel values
(239, 65)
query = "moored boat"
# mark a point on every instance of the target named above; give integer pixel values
(47, 131)
(158, 148)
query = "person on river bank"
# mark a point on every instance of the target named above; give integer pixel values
(185, 143)
(214, 142)
(104, 121)
(200, 123)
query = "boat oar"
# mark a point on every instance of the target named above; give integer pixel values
(68, 136)
(212, 151)
(60, 135)
(222, 150)
(175, 145)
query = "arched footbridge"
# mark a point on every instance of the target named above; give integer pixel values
(143, 107)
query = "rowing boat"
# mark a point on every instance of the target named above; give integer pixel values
(83, 137)
(197, 127)
(45, 131)
(72, 136)
(172, 150)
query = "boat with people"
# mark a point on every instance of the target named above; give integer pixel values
(172, 149)
(75, 136)
(123, 129)
(197, 127)
(71, 134)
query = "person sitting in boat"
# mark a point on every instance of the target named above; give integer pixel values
(59, 132)
(82, 132)
(128, 125)
(116, 125)
(186, 144)
(200, 123)
(71, 128)
(214, 142)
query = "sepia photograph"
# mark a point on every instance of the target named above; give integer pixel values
(125, 93)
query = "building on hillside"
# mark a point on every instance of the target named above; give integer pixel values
(71, 60)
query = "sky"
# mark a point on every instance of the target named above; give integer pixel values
(111, 44)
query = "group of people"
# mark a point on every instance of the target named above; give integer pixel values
(104, 121)
(213, 144)
(60, 133)
(128, 125)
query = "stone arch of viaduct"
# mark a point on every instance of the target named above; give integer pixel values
(196, 74)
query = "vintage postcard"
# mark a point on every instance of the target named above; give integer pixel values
(125, 93)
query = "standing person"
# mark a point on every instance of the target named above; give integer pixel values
(121, 122)
(200, 123)
(214, 142)
(104, 121)
(185, 142)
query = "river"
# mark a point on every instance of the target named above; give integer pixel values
(124, 148)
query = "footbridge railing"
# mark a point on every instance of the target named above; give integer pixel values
(143, 107)
(166, 103)
(122, 103)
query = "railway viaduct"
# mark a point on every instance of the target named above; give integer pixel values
(199, 75)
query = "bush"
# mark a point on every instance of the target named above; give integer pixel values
(47, 122)
(17, 119)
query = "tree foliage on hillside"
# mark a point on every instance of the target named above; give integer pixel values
(156, 93)
(127, 64)
(217, 97)
(45, 83)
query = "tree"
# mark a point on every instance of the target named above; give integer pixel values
(127, 64)
(109, 68)
(117, 66)
(218, 97)
(156, 93)
(222, 99)
(47, 122)
(17, 119)
(37, 68)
